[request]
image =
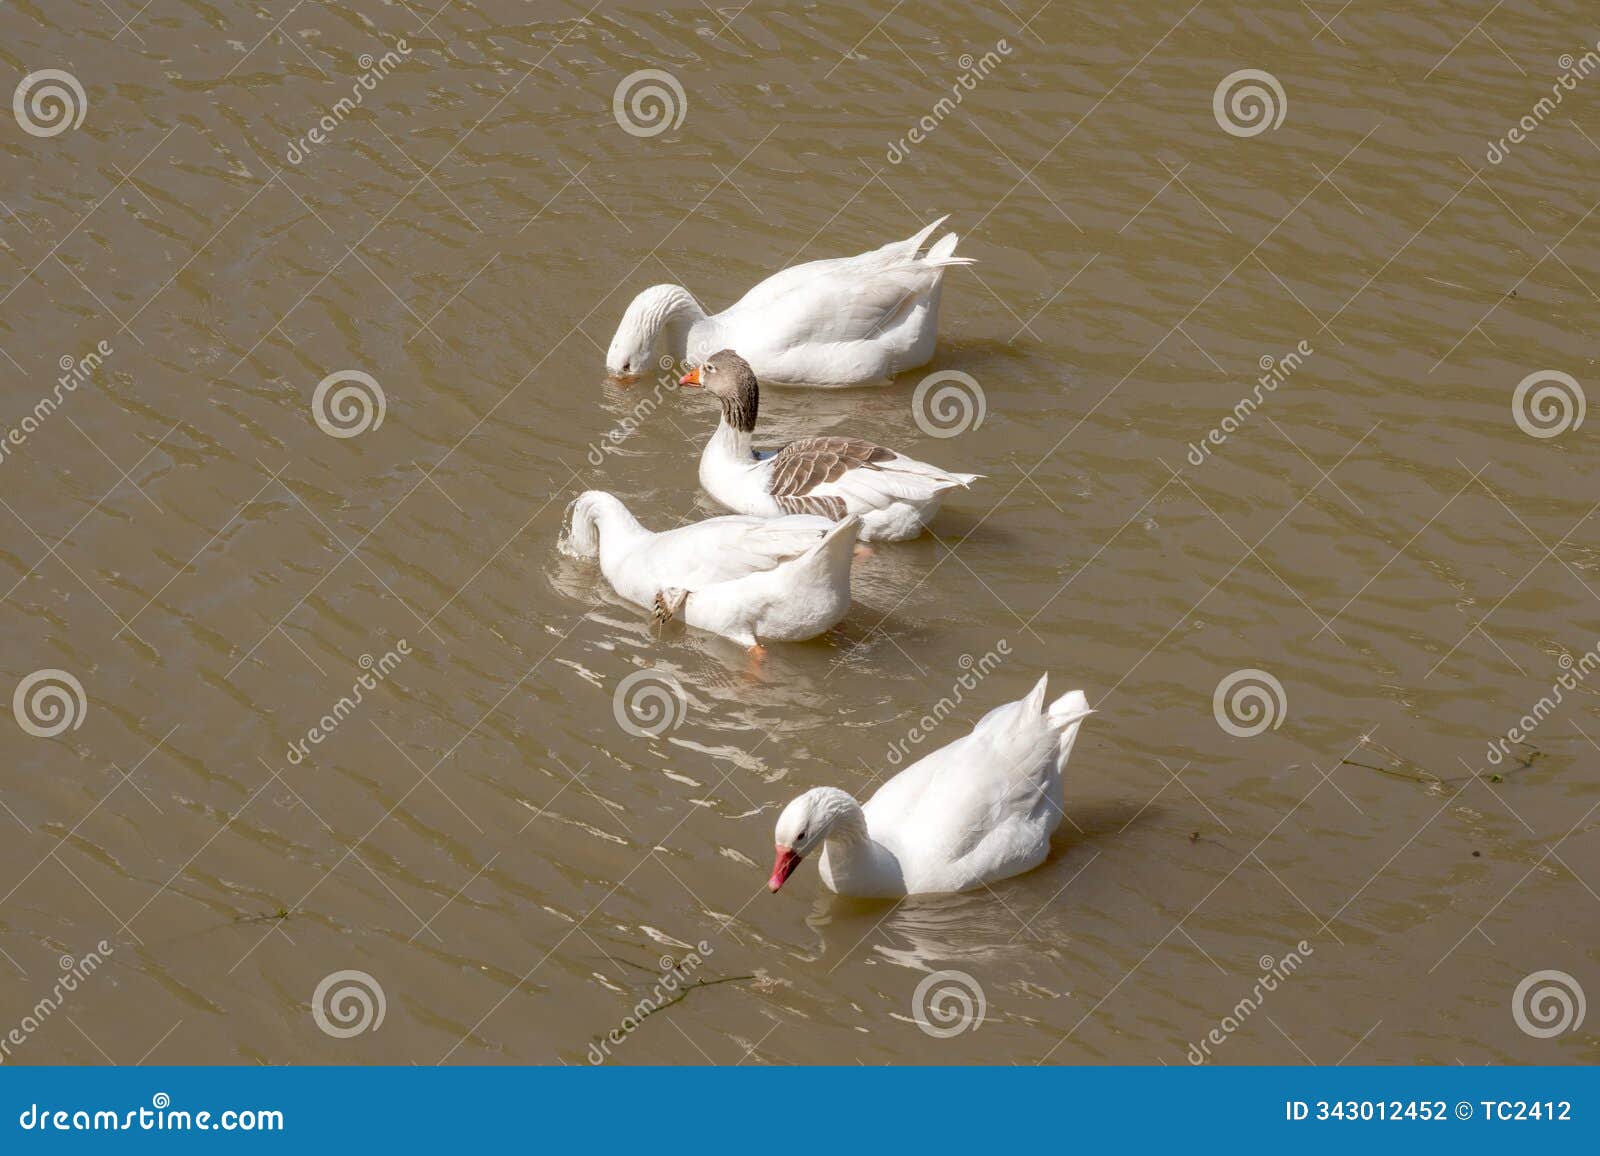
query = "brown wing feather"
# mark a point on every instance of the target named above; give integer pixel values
(830, 507)
(801, 466)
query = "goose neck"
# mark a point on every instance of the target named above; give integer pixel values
(731, 442)
(603, 521)
(855, 862)
(673, 316)
(740, 405)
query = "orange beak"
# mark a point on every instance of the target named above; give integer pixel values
(782, 867)
(693, 378)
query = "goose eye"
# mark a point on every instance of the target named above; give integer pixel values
(802, 836)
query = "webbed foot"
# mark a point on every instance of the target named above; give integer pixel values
(669, 604)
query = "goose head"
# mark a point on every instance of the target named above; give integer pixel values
(661, 310)
(728, 377)
(806, 824)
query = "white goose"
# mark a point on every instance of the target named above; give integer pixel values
(895, 496)
(847, 321)
(748, 579)
(980, 809)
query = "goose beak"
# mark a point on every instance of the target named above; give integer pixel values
(782, 867)
(693, 378)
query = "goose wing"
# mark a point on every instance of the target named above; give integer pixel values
(802, 466)
(842, 299)
(947, 804)
(834, 475)
(726, 548)
(800, 277)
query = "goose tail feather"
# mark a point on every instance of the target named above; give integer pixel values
(942, 253)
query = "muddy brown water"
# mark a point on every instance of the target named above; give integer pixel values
(481, 837)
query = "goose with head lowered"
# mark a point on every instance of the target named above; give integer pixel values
(981, 809)
(894, 496)
(752, 580)
(848, 321)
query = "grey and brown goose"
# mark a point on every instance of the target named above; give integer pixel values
(893, 495)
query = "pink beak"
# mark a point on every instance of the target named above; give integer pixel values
(782, 867)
